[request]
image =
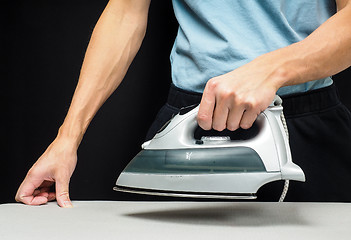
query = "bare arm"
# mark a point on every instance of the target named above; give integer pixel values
(323, 53)
(235, 99)
(114, 43)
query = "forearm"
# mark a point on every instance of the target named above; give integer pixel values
(323, 53)
(114, 43)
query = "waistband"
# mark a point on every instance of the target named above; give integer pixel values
(294, 104)
(311, 101)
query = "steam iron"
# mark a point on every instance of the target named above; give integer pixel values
(175, 163)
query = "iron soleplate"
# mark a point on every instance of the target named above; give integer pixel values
(208, 195)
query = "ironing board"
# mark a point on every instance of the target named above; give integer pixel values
(176, 220)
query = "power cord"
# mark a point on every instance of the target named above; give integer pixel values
(286, 184)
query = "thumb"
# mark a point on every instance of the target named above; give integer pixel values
(62, 194)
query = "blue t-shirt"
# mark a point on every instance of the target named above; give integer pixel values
(218, 36)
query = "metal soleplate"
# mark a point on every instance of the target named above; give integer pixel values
(209, 195)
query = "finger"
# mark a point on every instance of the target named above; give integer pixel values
(248, 119)
(234, 118)
(25, 193)
(62, 194)
(42, 191)
(220, 116)
(43, 194)
(207, 105)
(52, 196)
(32, 199)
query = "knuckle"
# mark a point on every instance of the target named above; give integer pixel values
(204, 122)
(249, 103)
(203, 118)
(21, 198)
(253, 104)
(227, 94)
(64, 194)
(32, 173)
(239, 99)
(212, 83)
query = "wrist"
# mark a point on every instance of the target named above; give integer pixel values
(281, 76)
(70, 134)
(283, 69)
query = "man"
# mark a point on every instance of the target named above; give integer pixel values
(240, 54)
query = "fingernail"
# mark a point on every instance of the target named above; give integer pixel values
(67, 204)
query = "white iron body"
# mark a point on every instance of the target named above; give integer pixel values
(271, 145)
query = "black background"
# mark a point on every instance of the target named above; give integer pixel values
(43, 43)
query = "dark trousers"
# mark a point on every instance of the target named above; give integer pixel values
(320, 140)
